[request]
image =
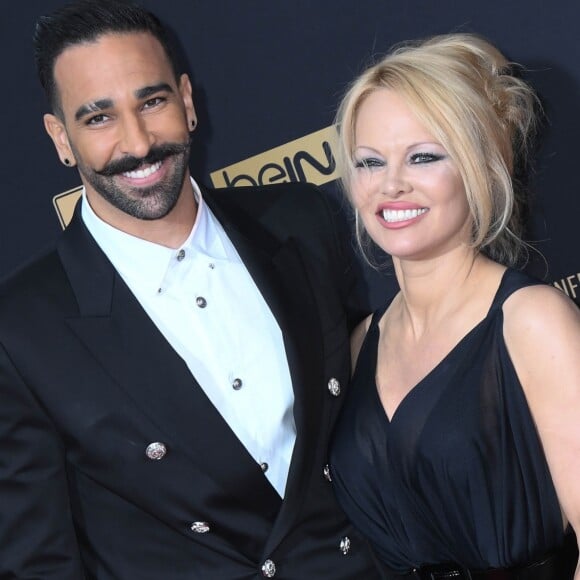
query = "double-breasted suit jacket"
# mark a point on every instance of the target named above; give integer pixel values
(87, 383)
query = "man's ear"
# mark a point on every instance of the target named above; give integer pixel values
(57, 132)
(187, 96)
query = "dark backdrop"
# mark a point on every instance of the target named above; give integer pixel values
(267, 73)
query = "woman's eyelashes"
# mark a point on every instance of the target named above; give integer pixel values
(418, 158)
(368, 163)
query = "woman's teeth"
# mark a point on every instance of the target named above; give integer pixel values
(401, 215)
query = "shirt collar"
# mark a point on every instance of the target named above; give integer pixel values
(145, 262)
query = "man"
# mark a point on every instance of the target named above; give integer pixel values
(171, 373)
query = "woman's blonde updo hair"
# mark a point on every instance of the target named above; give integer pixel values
(464, 91)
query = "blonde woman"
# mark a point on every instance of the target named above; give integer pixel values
(458, 451)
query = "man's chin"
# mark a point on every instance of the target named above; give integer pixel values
(147, 206)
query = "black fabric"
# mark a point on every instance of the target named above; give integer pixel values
(557, 565)
(87, 382)
(458, 474)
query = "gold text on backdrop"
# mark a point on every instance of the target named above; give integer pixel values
(570, 285)
(309, 158)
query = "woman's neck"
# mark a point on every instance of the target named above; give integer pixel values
(432, 291)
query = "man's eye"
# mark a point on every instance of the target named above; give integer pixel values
(96, 120)
(153, 102)
(417, 158)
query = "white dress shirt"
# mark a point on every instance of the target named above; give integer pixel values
(204, 301)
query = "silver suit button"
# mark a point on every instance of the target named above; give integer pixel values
(201, 301)
(200, 527)
(326, 472)
(269, 569)
(156, 450)
(345, 545)
(334, 387)
(264, 466)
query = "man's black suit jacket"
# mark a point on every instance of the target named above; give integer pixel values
(87, 382)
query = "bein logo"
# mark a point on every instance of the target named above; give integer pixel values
(308, 159)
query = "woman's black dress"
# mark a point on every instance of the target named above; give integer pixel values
(458, 473)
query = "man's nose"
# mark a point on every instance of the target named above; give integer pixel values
(135, 138)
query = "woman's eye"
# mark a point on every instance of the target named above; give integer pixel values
(368, 163)
(417, 158)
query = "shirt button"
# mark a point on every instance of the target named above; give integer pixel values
(201, 301)
(264, 466)
(180, 255)
(200, 527)
(237, 384)
(326, 472)
(269, 569)
(345, 545)
(212, 266)
(334, 387)
(156, 450)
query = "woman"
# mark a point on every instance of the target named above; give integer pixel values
(458, 451)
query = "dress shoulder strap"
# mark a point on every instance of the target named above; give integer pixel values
(378, 314)
(512, 281)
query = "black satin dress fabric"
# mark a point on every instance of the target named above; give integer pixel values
(458, 473)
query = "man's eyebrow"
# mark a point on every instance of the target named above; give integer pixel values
(94, 107)
(151, 90)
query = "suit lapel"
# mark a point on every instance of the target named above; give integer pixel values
(279, 272)
(124, 340)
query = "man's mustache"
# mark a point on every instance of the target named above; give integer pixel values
(130, 163)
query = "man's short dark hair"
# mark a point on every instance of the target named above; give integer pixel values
(85, 21)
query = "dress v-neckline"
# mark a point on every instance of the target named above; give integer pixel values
(429, 376)
(438, 366)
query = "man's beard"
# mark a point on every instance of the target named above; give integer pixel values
(145, 203)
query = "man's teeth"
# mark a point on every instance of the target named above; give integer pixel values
(401, 215)
(142, 173)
